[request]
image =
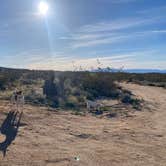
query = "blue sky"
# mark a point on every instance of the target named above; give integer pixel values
(86, 33)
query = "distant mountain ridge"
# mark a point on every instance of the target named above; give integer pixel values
(145, 71)
(130, 70)
(106, 70)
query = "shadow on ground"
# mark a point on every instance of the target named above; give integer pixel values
(9, 128)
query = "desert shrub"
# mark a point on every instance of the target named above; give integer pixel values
(3, 82)
(129, 99)
(35, 98)
(78, 112)
(106, 109)
(39, 100)
(99, 84)
(99, 112)
(71, 102)
(112, 115)
(60, 86)
(50, 88)
(52, 103)
(148, 78)
(2, 86)
(163, 85)
(126, 98)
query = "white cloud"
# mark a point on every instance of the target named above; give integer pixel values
(61, 61)
(110, 32)
(85, 40)
(64, 62)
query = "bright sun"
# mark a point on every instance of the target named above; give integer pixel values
(43, 8)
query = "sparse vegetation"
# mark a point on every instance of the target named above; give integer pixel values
(72, 89)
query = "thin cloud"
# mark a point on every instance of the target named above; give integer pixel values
(111, 38)
(119, 24)
(110, 32)
(36, 57)
(73, 62)
(123, 1)
(153, 11)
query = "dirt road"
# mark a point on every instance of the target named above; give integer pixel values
(62, 139)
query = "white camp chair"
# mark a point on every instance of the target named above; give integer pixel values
(93, 105)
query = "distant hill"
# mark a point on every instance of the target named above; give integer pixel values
(145, 71)
(141, 71)
(114, 70)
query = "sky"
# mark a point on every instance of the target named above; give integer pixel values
(83, 34)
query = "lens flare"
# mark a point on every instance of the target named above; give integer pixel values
(43, 8)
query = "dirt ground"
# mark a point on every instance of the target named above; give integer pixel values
(61, 139)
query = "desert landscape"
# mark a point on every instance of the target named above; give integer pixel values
(82, 83)
(48, 138)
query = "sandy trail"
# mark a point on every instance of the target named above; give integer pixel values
(55, 139)
(155, 98)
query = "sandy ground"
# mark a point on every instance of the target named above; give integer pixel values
(56, 139)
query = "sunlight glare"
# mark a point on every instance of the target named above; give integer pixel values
(43, 8)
